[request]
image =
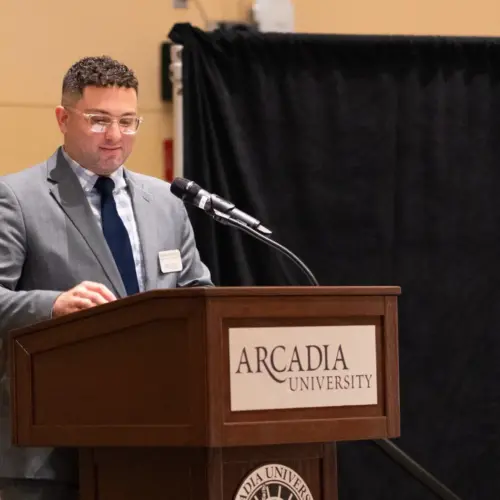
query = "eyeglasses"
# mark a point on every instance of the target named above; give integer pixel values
(100, 123)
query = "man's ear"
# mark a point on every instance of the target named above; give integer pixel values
(62, 118)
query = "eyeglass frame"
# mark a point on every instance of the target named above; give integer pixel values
(88, 116)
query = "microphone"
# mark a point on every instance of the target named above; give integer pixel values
(188, 191)
(224, 211)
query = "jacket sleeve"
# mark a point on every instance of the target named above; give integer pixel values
(194, 272)
(17, 308)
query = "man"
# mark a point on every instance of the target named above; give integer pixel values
(81, 230)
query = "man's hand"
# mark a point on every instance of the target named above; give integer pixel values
(83, 296)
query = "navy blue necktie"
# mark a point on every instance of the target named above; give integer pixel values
(116, 235)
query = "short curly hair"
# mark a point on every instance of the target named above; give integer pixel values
(102, 71)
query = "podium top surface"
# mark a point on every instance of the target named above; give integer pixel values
(219, 293)
(242, 291)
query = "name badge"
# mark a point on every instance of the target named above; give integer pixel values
(170, 261)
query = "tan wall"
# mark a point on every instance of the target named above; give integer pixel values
(40, 40)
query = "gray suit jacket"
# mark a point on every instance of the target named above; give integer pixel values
(50, 242)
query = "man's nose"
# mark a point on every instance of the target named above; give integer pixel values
(113, 132)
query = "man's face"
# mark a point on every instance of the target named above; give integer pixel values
(96, 147)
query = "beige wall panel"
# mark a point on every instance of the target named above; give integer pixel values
(407, 17)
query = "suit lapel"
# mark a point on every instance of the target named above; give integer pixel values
(68, 192)
(141, 201)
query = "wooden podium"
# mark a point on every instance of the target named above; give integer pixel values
(143, 387)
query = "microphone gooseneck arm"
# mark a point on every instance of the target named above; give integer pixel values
(229, 221)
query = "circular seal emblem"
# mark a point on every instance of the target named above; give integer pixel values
(273, 482)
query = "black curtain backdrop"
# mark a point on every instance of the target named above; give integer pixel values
(376, 160)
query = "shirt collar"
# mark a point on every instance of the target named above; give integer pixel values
(88, 179)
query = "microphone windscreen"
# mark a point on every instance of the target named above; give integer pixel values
(179, 187)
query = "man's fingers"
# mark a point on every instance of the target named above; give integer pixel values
(95, 297)
(80, 303)
(83, 296)
(100, 289)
